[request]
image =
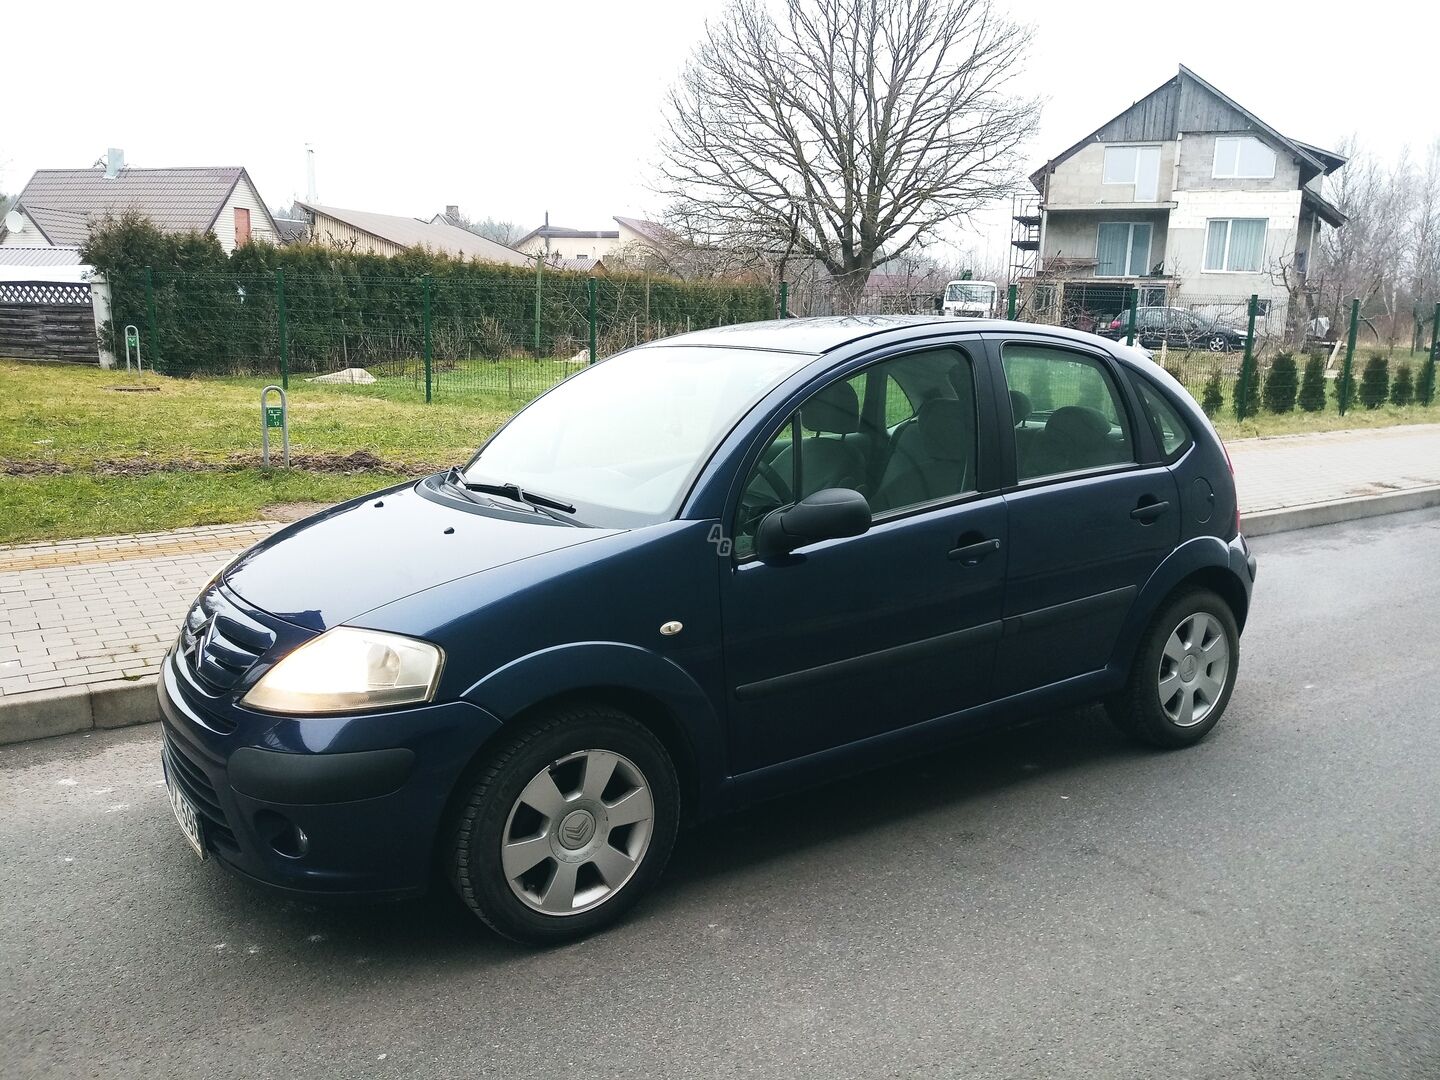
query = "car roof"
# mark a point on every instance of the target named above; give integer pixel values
(823, 334)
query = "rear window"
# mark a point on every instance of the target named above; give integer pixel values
(1174, 436)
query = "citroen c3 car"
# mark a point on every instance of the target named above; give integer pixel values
(700, 573)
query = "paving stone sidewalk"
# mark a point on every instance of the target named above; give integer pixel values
(88, 612)
(91, 611)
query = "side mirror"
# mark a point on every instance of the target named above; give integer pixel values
(826, 515)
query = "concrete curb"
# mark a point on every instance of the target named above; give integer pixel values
(42, 714)
(1291, 518)
(68, 709)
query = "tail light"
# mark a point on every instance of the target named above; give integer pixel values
(1231, 465)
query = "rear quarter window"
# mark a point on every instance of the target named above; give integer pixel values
(1172, 432)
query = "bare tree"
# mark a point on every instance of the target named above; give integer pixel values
(845, 130)
(502, 232)
(1366, 258)
(1424, 253)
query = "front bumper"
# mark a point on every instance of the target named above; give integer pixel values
(339, 805)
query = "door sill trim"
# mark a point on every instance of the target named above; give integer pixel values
(855, 665)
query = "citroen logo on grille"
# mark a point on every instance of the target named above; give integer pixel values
(197, 637)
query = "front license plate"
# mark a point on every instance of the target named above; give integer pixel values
(185, 814)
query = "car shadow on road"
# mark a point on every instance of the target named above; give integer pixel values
(942, 780)
(438, 929)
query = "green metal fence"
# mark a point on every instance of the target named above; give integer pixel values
(437, 337)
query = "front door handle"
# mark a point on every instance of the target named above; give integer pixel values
(1147, 512)
(970, 554)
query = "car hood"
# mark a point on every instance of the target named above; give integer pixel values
(332, 567)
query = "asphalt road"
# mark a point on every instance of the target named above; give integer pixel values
(1046, 902)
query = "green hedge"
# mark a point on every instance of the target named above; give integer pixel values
(1312, 385)
(1281, 384)
(219, 313)
(1375, 382)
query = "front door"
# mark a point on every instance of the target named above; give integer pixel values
(1088, 520)
(852, 638)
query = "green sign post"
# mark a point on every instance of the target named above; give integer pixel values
(274, 416)
(132, 344)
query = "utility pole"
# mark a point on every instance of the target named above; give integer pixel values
(311, 195)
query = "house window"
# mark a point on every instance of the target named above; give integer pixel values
(1234, 245)
(1244, 158)
(1135, 165)
(242, 226)
(1123, 249)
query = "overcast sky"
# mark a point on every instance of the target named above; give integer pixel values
(514, 109)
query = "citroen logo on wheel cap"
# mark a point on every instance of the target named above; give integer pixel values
(577, 829)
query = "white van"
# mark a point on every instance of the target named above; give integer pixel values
(970, 299)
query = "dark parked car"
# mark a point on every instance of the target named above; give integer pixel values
(1175, 328)
(705, 571)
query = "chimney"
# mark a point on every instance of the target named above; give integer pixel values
(114, 162)
(452, 211)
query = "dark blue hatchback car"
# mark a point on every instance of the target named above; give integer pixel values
(702, 572)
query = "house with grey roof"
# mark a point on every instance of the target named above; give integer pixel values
(559, 244)
(1185, 195)
(392, 234)
(634, 240)
(58, 207)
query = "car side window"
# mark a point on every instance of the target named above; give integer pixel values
(924, 451)
(1173, 433)
(1076, 421)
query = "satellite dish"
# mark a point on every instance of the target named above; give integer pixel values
(15, 221)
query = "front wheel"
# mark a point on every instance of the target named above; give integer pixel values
(1219, 344)
(1183, 673)
(566, 826)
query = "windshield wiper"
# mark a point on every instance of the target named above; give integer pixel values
(511, 491)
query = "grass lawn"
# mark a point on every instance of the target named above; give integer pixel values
(187, 452)
(79, 457)
(1302, 423)
(1299, 422)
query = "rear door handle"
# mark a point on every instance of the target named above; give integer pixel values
(1145, 513)
(970, 554)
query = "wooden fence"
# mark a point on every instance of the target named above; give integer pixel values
(47, 320)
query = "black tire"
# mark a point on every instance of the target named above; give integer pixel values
(1137, 711)
(480, 822)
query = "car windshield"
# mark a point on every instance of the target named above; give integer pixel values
(959, 292)
(623, 440)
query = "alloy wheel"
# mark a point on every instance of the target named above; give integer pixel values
(1194, 669)
(1219, 344)
(577, 832)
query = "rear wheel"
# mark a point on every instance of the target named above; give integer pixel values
(566, 826)
(1183, 673)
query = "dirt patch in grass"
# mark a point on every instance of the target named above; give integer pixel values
(352, 464)
(357, 461)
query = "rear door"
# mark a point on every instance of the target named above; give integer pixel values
(1091, 510)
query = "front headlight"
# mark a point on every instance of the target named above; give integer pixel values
(346, 669)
